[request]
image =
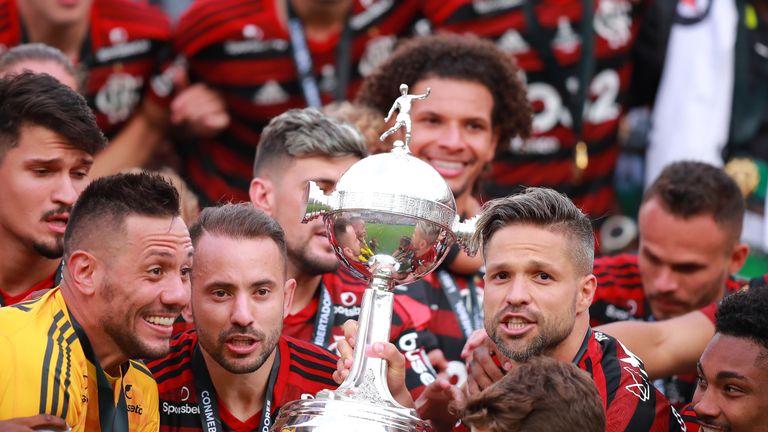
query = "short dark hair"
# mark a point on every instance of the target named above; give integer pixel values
(239, 221)
(35, 52)
(105, 204)
(542, 207)
(540, 395)
(460, 57)
(744, 314)
(688, 188)
(306, 132)
(30, 99)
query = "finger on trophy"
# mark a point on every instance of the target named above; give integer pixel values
(395, 370)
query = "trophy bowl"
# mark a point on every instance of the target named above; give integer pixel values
(391, 220)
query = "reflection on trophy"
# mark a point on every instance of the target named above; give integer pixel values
(403, 206)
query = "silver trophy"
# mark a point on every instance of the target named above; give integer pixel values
(391, 220)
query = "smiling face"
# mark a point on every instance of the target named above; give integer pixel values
(533, 294)
(42, 177)
(681, 271)
(453, 131)
(146, 284)
(730, 395)
(309, 251)
(239, 299)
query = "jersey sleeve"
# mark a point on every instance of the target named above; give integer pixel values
(632, 402)
(419, 372)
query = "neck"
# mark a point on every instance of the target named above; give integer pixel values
(568, 348)
(321, 20)
(107, 353)
(242, 394)
(22, 267)
(306, 288)
(67, 38)
(467, 205)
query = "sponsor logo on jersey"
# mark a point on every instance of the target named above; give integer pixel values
(376, 51)
(123, 50)
(179, 409)
(488, 6)
(348, 298)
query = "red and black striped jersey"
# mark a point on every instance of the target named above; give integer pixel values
(690, 419)
(444, 322)
(304, 369)
(344, 300)
(126, 43)
(242, 49)
(631, 401)
(620, 295)
(547, 158)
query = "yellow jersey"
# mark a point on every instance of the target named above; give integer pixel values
(47, 366)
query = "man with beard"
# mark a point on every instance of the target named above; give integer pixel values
(69, 353)
(236, 370)
(304, 145)
(48, 137)
(538, 250)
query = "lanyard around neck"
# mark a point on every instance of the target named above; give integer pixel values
(302, 59)
(210, 419)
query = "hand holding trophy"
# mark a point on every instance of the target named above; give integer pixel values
(410, 215)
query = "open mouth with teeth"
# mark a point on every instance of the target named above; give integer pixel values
(160, 320)
(447, 168)
(517, 326)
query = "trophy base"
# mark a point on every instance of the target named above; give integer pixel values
(327, 414)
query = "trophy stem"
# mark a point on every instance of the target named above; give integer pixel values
(367, 380)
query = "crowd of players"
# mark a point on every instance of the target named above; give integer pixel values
(107, 326)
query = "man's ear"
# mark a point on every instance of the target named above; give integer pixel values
(587, 290)
(738, 257)
(262, 193)
(289, 289)
(84, 270)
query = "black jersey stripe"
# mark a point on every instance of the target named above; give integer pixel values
(313, 377)
(312, 365)
(213, 20)
(57, 384)
(43, 407)
(329, 357)
(645, 412)
(67, 377)
(141, 367)
(611, 369)
(173, 373)
(177, 355)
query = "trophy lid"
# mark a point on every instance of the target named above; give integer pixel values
(400, 183)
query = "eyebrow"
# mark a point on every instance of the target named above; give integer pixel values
(730, 375)
(56, 160)
(722, 375)
(223, 284)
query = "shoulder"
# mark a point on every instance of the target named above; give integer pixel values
(309, 367)
(208, 21)
(141, 20)
(177, 360)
